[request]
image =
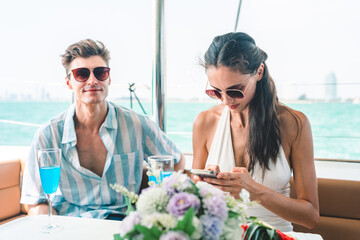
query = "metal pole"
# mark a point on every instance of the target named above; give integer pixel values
(158, 80)
(238, 15)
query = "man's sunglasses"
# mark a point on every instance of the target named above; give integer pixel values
(83, 74)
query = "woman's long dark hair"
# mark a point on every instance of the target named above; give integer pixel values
(239, 52)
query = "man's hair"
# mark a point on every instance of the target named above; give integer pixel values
(84, 48)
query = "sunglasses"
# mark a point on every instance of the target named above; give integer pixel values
(233, 93)
(83, 74)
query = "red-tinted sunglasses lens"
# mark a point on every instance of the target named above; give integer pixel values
(235, 93)
(101, 73)
(213, 93)
(81, 74)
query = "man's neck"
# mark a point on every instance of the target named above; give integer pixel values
(90, 116)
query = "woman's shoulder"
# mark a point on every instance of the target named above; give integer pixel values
(209, 117)
(291, 120)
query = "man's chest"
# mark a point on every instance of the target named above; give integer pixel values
(91, 152)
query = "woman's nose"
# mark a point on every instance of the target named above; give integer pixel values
(226, 99)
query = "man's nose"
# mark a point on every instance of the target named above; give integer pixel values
(92, 79)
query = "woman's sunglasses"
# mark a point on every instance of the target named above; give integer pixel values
(233, 93)
(217, 94)
(83, 74)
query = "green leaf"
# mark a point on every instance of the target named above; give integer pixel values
(130, 207)
(233, 214)
(186, 224)
(271, 233)
(117, 237)
(250, 231)
(131, 234)
(149, 234)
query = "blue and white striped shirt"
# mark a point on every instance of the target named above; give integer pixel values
(129, 138)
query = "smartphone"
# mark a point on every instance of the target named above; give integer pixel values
(204, 173)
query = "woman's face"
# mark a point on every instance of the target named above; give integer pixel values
(223, 78)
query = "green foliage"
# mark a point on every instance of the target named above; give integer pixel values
(257, 230)
(130, 207)
(117, 237)
(149, 234)
(185, 224)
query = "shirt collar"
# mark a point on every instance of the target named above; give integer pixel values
(111, 120)
(69, 134)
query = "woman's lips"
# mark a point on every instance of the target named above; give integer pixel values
(233, 106)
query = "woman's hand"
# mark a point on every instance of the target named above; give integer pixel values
(208, 167)
(232, 182)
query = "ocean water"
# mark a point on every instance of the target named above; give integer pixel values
(335, 126)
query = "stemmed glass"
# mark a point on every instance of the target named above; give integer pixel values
(49, 168)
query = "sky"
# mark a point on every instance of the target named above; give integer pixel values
(305, 41)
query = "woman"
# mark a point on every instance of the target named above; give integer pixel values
(251, 139)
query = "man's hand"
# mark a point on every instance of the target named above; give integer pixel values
(39, 209)
(181, 164)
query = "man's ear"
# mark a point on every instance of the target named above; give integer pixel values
(68, 83)
(109, 80)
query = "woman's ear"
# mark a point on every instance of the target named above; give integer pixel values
(260, 72)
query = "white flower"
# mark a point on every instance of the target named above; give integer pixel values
(163, 221)
(123, 190)
(198, 229)
(232, 229)
(152, 200)
(245, 196)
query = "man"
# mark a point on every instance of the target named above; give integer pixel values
(101, 143)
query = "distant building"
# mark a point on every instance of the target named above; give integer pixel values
(330, 87)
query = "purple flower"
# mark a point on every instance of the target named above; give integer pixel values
(176, 183)
(128, 223)
(207, 190)
(216, 206)
(212, 227)
(181, 202)
(169, 184)
(174, 235)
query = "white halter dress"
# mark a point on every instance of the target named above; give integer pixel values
(276, 178)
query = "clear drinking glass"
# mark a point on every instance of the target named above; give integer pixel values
(49, 168)
(161, 166)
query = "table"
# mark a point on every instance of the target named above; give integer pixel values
(78, 229)
(28, 228)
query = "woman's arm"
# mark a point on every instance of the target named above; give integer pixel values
(200, 135)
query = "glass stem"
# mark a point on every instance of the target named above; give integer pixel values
(50, 208)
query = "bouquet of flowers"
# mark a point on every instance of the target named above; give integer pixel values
(177, 208)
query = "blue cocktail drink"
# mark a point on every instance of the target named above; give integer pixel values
(50, 177)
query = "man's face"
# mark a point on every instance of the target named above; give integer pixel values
(91, 91)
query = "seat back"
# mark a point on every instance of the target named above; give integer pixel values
(10, 173)
(339, 202)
